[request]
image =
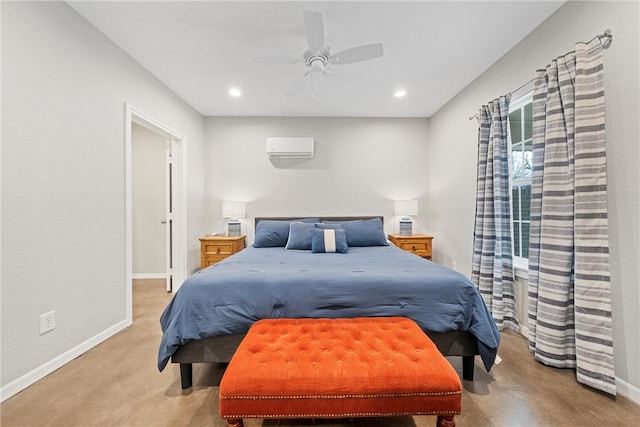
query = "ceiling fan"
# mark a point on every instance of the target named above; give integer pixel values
(318, 57)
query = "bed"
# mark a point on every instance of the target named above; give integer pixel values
(213, 309)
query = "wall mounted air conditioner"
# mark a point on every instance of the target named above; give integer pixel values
(289, 148)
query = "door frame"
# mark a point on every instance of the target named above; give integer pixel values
(179, 247)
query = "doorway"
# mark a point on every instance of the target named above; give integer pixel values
(151, 225)
(172, 221)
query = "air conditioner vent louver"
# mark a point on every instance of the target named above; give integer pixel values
(290, 147)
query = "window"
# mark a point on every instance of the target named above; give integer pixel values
(521, 156)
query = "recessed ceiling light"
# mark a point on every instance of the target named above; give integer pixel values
(400, 93)
(235, 92)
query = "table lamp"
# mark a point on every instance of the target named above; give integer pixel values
(234, 211)
(406, 208)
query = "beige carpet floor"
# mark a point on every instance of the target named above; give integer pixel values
(117, 384)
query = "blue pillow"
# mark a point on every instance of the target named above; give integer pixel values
(324, 225)
(273, 233)
(300, 234)
(329, 240)
(363, 232)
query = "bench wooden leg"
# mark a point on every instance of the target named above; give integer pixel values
(446, 421)
(467, 367)
(186, 375)
(235, 422)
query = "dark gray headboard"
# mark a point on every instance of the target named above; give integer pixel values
(322, 218)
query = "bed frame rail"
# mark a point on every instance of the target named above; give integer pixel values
(221, 350)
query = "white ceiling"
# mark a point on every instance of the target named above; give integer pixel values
(432, 49)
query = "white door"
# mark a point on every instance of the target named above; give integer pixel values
(170, 185)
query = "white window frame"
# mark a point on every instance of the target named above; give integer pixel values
(520, 264)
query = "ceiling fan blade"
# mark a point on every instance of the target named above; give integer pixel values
(299, 84)
(357, 54)
(276, 60)
(314, 29)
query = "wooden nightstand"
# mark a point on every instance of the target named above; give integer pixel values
(217, 248)
(419, 244)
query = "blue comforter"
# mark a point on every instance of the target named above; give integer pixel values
(266, 283)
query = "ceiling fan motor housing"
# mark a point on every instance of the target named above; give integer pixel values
(317, 60)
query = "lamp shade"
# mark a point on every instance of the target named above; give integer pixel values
(234, 209)
(406, 207)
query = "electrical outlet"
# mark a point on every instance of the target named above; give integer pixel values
(454, 265)
(47, 322)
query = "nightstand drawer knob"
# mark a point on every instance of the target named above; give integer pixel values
(218, 250)
(413, 248)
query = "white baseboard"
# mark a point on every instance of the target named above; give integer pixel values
(625, 389)
(149, 276)
(42, 371)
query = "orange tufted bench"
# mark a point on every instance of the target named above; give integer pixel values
(338, 368)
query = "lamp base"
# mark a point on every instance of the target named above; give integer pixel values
(234, 228)
(406, 227)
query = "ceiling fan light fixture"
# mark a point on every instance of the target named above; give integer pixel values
(400, 93)
(317, 65)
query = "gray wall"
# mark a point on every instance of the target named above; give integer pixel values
(148, 157)
(64, 88)
(453, 149)
(360, 167)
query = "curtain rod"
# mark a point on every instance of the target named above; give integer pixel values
(605, 39)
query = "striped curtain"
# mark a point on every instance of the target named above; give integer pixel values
(492, 267)
(569, 288)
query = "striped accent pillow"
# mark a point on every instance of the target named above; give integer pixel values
(329, 241)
